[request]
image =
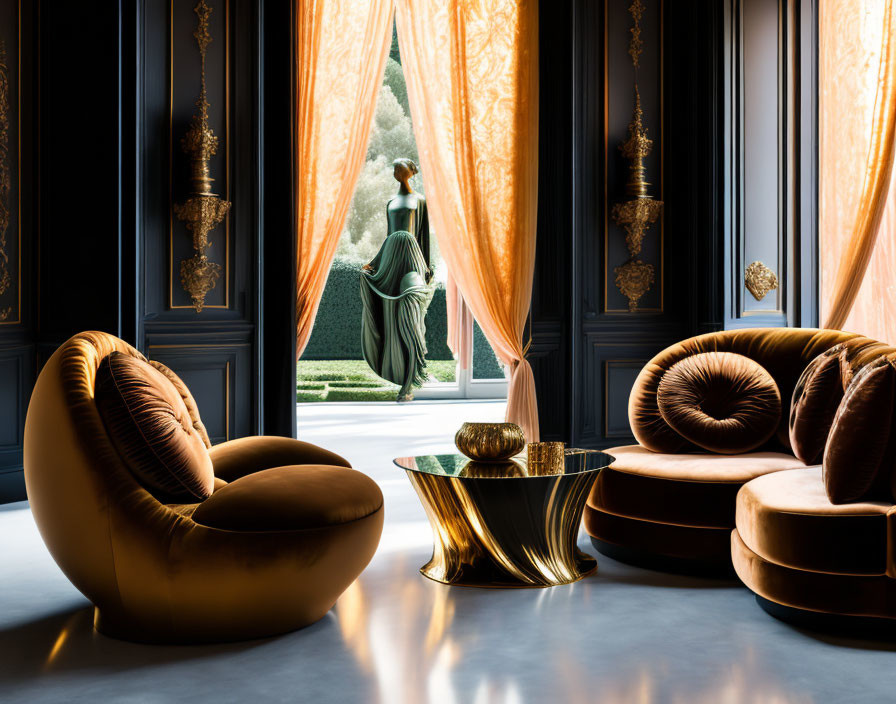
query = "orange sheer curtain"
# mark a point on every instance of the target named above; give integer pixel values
(472, 73)
(341, 50)
(460, 324)
(858, 139)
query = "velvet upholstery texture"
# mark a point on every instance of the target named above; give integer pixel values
(695, 490)
(298, 497)
(152, 572)
(859, 456)
(820, 390)
(237, 458)
(670, 497)
(720, 401)
(783, 352)
(149, 424)
(817, 395)
(822, 592)
(787, 518)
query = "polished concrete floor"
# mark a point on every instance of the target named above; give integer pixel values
(624, 635)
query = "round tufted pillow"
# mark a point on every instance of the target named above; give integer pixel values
(295, 497)
(817, 395)
(860, 445)
(148, 422)
(720, 401)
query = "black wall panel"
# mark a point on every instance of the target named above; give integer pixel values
(726, 90)
(17, 347)
(100, 97)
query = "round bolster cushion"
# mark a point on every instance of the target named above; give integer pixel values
(720, 401)
(859, 455)
(295, 497)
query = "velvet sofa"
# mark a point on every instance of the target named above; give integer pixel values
(710, 414)
(171, 539)
(818, 545)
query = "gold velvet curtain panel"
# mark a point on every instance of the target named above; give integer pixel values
(858, 142)
(341, 50)
(472, 73)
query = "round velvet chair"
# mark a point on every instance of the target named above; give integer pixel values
(710, 414)
(288, 528)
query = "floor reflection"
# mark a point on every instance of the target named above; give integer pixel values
(621, 636)
(426, 642)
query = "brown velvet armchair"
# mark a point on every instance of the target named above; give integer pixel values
(668, 501)
(288, 527)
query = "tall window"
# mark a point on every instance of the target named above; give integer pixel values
(335, 341)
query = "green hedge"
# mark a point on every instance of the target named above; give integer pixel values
(337, 328)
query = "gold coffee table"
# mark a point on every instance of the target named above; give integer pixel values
(503, 524)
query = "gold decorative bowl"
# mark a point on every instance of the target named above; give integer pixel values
(490, 442)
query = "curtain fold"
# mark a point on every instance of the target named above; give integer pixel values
(341, 50)
(472, 73)
(460, 324)
(858, 143)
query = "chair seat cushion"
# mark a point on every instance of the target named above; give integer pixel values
(148, 422)
(696, 490)
(787, 519)
(720, 401)
(295, 497)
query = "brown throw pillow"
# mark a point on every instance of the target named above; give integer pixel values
(149, 424)
(815, 400)
(859, 446)
(720, 401)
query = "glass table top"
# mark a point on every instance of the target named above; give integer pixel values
(456, 465)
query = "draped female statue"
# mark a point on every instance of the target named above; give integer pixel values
(396, 290)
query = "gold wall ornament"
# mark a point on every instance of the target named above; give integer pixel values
(490, 441)
(634, 279)
(635, 45)
(759, 280)
(203, 211)
(5, 179)
(635, 216)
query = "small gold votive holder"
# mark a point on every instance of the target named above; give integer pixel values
(545, 458)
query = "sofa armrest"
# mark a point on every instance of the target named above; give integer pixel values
(237, 458)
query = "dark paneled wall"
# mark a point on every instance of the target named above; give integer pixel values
(213, 351)
(701, 66)
(16, 221)
(100, 95)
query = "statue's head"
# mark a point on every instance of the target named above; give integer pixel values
(404, 169)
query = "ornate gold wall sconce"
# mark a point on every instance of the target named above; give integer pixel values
(759, 280)
(635, 277)
(203, 210)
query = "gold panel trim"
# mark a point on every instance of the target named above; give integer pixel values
(172, 274)
(5, 176)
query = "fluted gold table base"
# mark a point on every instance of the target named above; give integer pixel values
(490, 532)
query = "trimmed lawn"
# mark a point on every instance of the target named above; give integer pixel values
(353, 380)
